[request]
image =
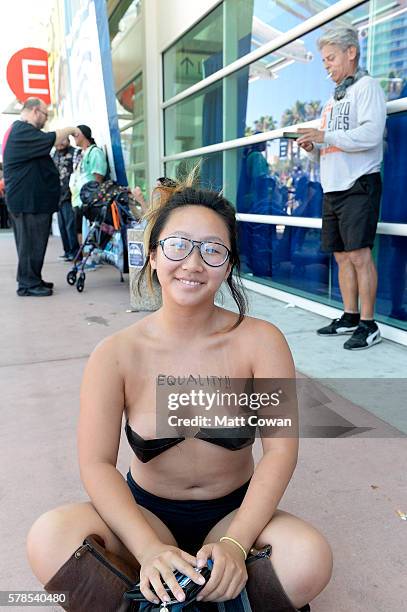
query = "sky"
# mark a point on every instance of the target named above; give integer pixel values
(23, 24)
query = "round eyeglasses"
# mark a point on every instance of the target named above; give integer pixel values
(177, 248)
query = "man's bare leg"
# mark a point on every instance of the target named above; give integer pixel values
(365, 268)
(348, 281)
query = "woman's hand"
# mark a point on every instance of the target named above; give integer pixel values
(228, 576)
(159, 564)
(138, 195)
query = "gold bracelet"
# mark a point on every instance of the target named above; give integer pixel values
(222, 539)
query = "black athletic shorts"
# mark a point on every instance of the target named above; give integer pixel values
(78, 218)
(349, 219)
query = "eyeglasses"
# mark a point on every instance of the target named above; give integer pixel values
(176, 248)
(43, 112)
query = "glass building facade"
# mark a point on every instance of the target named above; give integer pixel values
(130, 109)
(231, 83)
(285, 87)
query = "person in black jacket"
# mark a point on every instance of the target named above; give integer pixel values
(32, 192)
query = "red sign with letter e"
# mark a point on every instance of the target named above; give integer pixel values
(27, 74)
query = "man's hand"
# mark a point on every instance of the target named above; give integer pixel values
(63, 133)
(310, 136)
(307, 146)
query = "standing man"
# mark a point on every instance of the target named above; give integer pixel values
(32, 192)
(64, 159)
(349, 145)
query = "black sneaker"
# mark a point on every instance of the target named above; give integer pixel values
(363, 338)
(338, 327)
(47, 284)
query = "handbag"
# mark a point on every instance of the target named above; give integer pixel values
(191, 590)
(94, 579)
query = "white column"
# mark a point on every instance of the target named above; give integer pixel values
(152, 85)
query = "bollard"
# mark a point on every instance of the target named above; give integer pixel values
(145, 300)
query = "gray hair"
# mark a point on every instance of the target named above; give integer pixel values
(31, 103)
(343, 37)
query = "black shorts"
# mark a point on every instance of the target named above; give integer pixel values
(78, 218)
(188, 520)
(350, 217)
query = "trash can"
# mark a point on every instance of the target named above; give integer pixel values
(146, 299)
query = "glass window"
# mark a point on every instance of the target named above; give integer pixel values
(379, 35)
(122, 18)
(129, 102)
(391, 304)
(260, 21)
(130, 110)
(390, 254)
(194, 122)
(288, 258)
(134, 156)
(270, 18)
(290, 85)
(277, 178)
(394, 207)
(210, 174)
(195, 56)
(287, 87)
(283, 89)
(209, 46)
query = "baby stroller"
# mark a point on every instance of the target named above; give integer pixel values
(106, 206)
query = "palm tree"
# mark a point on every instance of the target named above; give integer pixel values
(300, 112)
(263, 124)
(287, 117)
(313, 109)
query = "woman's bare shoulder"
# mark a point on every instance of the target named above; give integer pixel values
(130, 338)
(268, 348)
(259, 330)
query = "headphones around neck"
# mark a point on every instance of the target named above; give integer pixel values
(340, 90)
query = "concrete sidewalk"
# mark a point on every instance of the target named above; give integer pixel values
(349, 488)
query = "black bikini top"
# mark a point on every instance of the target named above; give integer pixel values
(235, 438)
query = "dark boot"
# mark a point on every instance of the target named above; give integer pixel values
(94, 579)
(264, 589)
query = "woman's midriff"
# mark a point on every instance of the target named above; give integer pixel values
(194, 469)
